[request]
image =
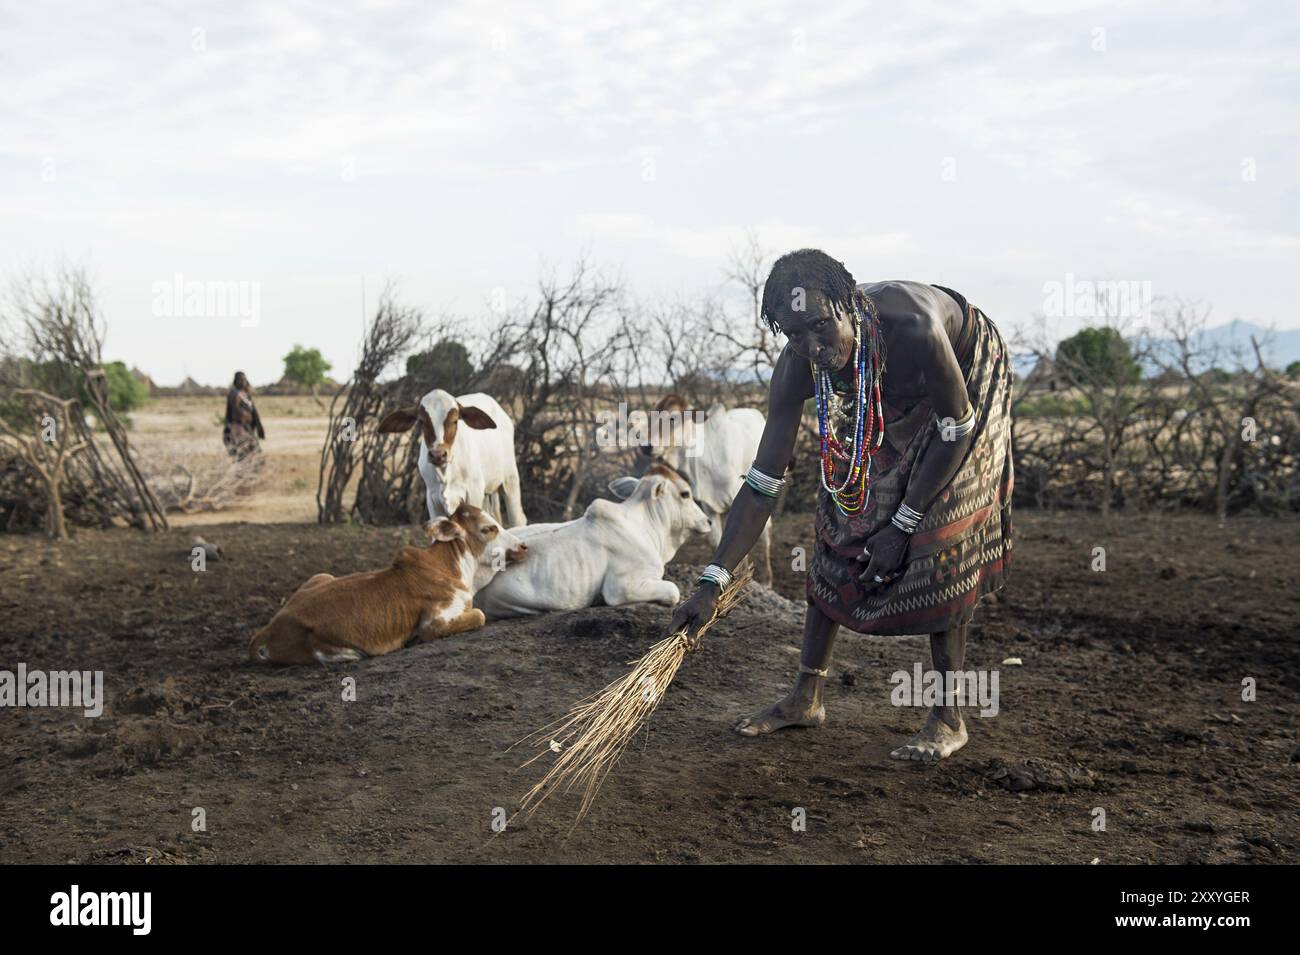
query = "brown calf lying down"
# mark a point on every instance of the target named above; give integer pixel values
(426, 594)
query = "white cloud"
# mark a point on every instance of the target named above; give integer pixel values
(712, 243)
(1209, 228)
(485, 138)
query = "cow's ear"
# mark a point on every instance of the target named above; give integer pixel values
(622, 487)
(403, 419)
(444, 530)
(659, 488)
(476, 417)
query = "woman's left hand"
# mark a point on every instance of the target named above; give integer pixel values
(884, 556)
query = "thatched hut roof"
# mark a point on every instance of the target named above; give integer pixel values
(1043, 376)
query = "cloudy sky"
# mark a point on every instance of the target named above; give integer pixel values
(989, 145)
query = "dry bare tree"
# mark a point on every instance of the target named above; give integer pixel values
(1223, 388)
(55, 338)
(755, 346)
(572, 357)
(207, 483)
(47, 449)
(383, 464)
(1101, 369)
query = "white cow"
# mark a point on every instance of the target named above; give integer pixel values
(714, 456)
(616, 552)
(463, 465)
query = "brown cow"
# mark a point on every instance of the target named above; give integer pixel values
(427, 593)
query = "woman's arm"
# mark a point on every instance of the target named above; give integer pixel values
(257, 422)
(791, 386)
(750, 510)
(946, 387)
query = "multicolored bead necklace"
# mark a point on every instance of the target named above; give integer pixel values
(869, 426)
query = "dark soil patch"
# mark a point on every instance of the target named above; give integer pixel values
(1129, 699)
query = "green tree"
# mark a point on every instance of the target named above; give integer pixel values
(1293, 370)
(307, 367)
(446, 365)
(125, 391)
(1101, 355)
(1098, 365)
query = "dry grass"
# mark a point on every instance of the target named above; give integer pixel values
(188, 430)
(591, 738)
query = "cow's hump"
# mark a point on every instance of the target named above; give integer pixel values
(601, 510)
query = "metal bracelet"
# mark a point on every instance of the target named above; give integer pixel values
(764, 483)
(951, 430)
(907, 519)
(715, 574)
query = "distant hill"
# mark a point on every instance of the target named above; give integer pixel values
(1280, 347)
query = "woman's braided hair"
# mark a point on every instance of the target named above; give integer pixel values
(809, 269)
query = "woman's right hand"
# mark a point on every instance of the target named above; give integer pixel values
(694, 612)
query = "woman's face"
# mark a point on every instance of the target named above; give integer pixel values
(822, 332)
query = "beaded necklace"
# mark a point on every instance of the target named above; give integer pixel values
(869, 425)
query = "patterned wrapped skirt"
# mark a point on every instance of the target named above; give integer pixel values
(962, 549)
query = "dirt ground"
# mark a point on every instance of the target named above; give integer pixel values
(1128, 700)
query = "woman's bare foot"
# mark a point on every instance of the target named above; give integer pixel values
(936, 739)
(794, 710)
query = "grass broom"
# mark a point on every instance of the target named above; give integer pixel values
(591, 738)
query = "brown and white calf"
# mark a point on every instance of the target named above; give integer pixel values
(470, 463)
(426, 594)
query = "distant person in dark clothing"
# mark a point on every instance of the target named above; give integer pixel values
(243, 427)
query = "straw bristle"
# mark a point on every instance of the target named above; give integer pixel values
(593, 735)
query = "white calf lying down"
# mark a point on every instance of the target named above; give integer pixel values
(615, 552)
(713, 455)
(468, 464)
